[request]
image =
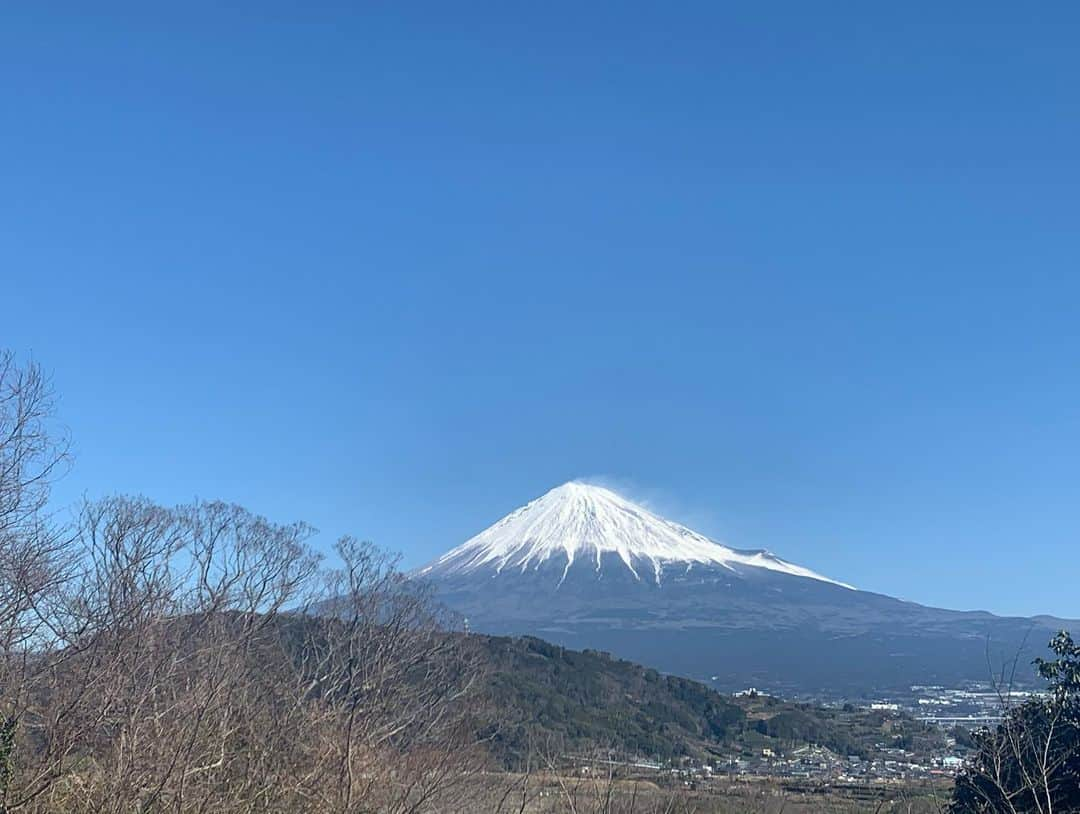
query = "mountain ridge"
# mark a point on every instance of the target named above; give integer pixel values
(562, 569)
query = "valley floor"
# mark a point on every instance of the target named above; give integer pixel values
(548, 793)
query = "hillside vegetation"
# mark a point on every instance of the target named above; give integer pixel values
(551, 697)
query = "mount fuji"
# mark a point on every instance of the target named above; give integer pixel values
(584, 567)
(590, 526)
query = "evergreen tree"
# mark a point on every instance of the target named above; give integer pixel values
(1031, 761)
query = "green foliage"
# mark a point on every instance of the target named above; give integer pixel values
(1031, 761)
(1063, 673)
(548, 697)
(7, 756)
(793, 726)
(964, 737)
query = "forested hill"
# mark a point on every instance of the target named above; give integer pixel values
(549, 698)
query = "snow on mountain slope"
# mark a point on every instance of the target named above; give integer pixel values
(585, 522)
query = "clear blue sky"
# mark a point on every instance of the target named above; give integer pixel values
(806, 276)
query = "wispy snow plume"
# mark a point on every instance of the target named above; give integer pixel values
(660, 502)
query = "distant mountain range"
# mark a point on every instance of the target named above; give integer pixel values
(586, 568)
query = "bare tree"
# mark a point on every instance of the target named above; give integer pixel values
(200, 659)
(388, 686)
(33, 553)
(203, 658)
(1030, 762)
(32, 451)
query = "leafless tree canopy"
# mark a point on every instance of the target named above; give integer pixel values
(31, 452)
(201, 658)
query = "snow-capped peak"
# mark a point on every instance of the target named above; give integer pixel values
(584, 522)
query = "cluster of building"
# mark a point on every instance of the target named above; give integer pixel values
(821, 764)
(811, 763)
(973, 706)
